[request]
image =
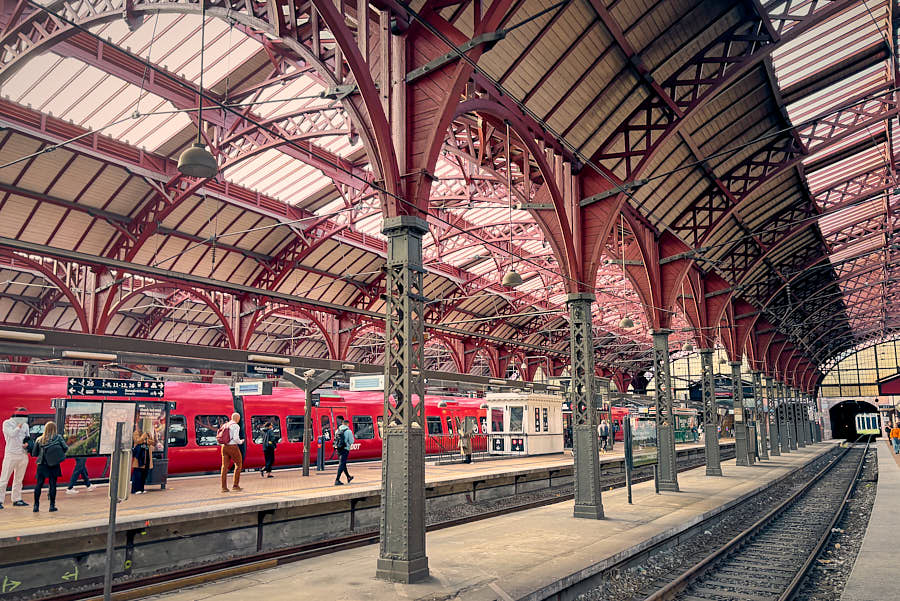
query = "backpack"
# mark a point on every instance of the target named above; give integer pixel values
(223, 436)
(340, 441)
(53, 453)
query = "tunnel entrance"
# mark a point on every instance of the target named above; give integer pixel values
(843, 417)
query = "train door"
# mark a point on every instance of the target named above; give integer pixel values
(327, 425)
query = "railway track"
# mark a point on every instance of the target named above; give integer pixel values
(770, 559)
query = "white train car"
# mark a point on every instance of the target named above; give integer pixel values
(524, 423)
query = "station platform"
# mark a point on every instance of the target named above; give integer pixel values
(527, 555)
(874, 575)
(200, 496)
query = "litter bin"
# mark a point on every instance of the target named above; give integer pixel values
(160, 472)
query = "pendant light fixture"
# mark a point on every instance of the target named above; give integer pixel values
(687, 347)
(626, 322)
(512, 278)
(197, 161)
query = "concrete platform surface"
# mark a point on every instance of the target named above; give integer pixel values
(874, 575)
(87, 511)
(525, 555)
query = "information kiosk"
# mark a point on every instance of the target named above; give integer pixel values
(524, 423)
(89, 413)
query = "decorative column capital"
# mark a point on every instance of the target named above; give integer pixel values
(575, 297)
(408, 222)
(661, 332)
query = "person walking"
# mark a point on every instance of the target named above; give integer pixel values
(269, 442)
(80, 471)
(895, 438)
(15, 457)
(343, 439)
(141, 463)
(229, 436)
(50, 450)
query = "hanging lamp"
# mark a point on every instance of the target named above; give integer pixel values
(687, 347)
(197, 161)
(626, 323)
(511, 278)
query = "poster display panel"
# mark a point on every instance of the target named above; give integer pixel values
(150, 418)
(113, 413)
(82, 428)
(643, 439)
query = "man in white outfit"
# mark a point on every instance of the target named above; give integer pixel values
(15, 456)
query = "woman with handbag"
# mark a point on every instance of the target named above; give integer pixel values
(141, 462)
(50, 450)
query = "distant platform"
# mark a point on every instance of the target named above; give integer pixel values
(874, 575)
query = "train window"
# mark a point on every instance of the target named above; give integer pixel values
(205, 428)
(295, 428)
(546, 420)
(380, 421)
(363, 427)
(449, 425)
(496, 420)
(433, 423)
(537, 419)
(177, 431)
(258, 421)
(516, 417)
(36, 424)
(326, 426)
(483, 420)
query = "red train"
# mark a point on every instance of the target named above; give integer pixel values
(200, 408)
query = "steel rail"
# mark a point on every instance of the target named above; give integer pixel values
(686, 579)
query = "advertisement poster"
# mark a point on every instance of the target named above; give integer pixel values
(112, 414)
(82, 428)
(150, 418)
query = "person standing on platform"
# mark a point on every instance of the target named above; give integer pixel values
(15, 457)
(80, 471)
(465, 439)
(613, 432)
(895, 438)
(343, 439)
(603, 433)
(141, 463)
(50, 450)
(229, 436)
(269, 442)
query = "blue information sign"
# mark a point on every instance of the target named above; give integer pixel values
(108, 387)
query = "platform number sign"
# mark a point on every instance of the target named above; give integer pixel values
(120, 388)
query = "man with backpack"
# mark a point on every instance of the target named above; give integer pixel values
(343, 439)
(269, 442)
(229, 436)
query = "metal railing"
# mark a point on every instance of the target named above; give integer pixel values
(445, 447)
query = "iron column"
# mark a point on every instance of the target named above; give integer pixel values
(741, 448)
(584, 431)
(665, 420)
(801, 419)
(794, 414)
(710, 414)
(401, 557)
(783, 429)
(771, 397)
(762, 416)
